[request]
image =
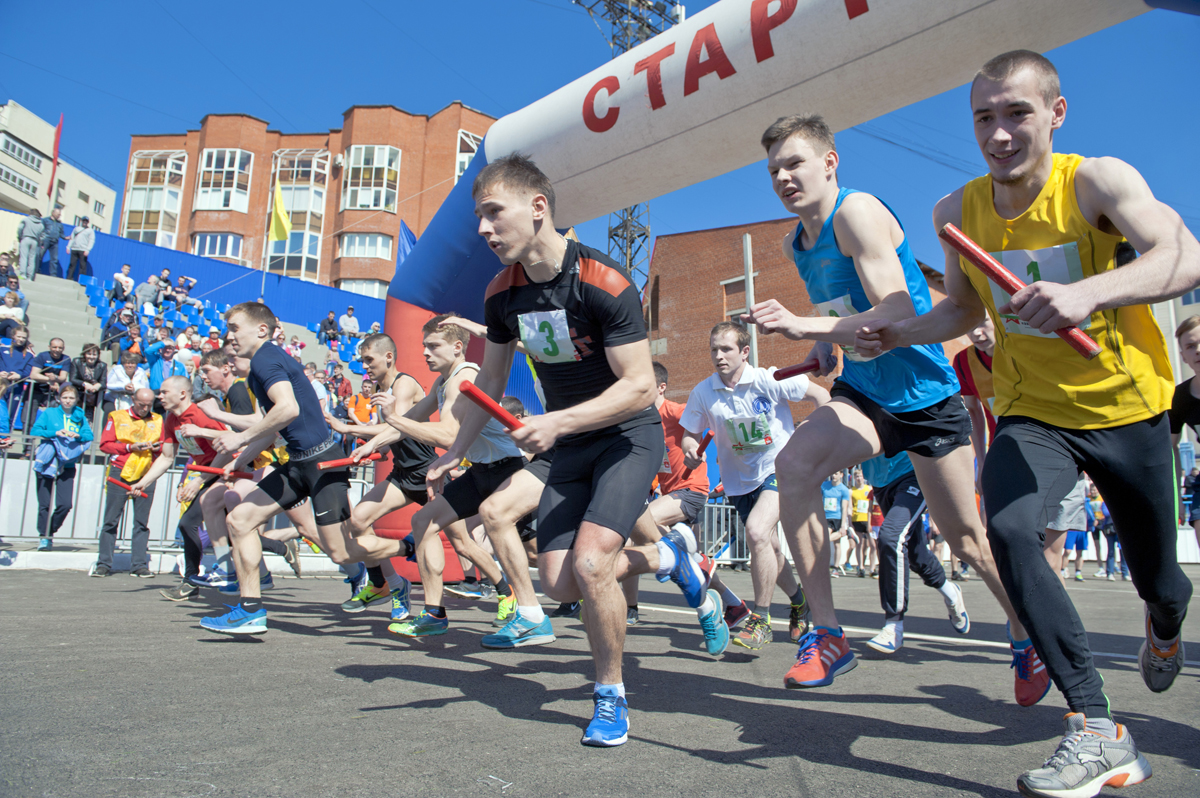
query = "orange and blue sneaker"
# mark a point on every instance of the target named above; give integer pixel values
(1031, 682)
(823, 655)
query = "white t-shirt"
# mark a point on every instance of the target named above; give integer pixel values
(751, 422)
(125, 280)
(322, 394)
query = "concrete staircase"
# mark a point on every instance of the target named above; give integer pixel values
(59, 309)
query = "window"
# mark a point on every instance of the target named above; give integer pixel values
(78, 219)
(225, 180)
(22, 153)
(366, 245)
(152, 202)
(468, 145)
(218, 245)
(19, 182)
(371, 178)
(98, 208)
(735, 298)
(302, 176)
(371, 288)
(84, 198)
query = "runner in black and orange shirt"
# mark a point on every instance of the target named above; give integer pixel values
(581, 320)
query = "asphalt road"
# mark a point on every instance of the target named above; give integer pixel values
(107, 690)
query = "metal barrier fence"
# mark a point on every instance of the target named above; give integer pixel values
(722, 536)
(19, 502)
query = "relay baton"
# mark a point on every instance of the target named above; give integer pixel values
(993, 270)
(490, 406)
(203, 469)
(121, 484)
(346, 461)
(708, 436)
(793, 371)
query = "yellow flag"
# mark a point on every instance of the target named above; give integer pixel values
(281, 224)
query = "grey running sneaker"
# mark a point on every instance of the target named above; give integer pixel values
(1159, 666)
(631, 616)
(100, 570)
(291, 556)
(756, 632)
(1086, 762)
(181, 592)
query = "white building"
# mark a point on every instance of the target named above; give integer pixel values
(26, 160)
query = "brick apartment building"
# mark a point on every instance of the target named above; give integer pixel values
(698, 279)
(210, 191)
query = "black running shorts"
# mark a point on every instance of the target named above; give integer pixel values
(290, 484)
(932, 431)
(466, 493)
(601, 477)
(539, 466)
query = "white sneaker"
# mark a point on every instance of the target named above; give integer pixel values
(957, 610)
(888, 641)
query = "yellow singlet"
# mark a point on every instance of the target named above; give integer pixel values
(1041, 376)
(860, 502)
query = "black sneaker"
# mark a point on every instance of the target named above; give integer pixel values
(181, 592)
(142, 573)
(100, 570)
(567, 610)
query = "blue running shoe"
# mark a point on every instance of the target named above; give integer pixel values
(357, 581)
(215, 578)
(519, 632)
(610, 721)
(687, 574)
(265, 582)
(716, 631)
(401, 606)
(237, 622)
(412, 547)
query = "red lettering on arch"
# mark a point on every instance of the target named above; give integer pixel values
(705, 41)
(599, 124)
(652, 66)
(762, 23)
(855, 8)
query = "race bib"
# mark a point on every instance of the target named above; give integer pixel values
(864, 505)
(832, 505)
(841, 308)
(188, 444)
(665, 466)
(547, 337)
(1058, 264)
(750, 434)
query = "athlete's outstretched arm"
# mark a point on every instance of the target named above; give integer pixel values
(864, 229)
(959, 313)
(213, 410)
(470, 419)
(1114, 197)
(633, 392)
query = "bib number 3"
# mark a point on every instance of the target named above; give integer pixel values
(547, 336)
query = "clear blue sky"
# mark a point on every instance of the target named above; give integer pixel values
(1132, 90)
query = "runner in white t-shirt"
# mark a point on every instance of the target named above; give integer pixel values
(748, 412)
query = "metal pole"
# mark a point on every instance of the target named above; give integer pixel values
(748, 264)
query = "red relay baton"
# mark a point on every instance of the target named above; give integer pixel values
(490, 406)
(978, 257)
(793, 371)
(203, 469)
(708, 436)
(121, 484)
(346, 461)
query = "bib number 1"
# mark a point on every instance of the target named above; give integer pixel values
(547, 336)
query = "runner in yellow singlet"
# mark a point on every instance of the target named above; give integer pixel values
(1056, 221)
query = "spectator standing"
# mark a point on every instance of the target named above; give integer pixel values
(131, 438)
(161, 363)
(148, 294)
(49, 372)
(122, 285)
(16, 361)
(83, 240)
(13, 284)
(67, 429)
(310, 371)
(348, 324)
(11, 315)
(29, 236)
(339, 385)
(123, 382)
(327, 332)
(53, 231)
(89, 376)
(359, 405)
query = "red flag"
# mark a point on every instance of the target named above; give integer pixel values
(54, 169)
